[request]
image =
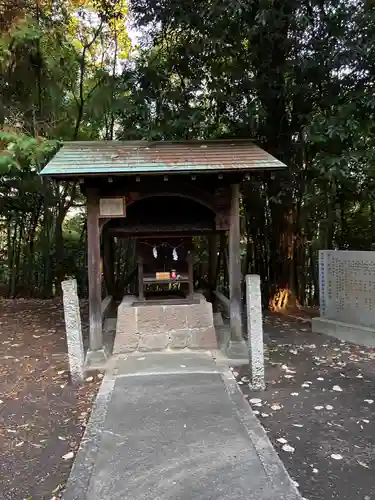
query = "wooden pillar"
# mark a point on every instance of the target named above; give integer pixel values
(141, 292)
(108, 263)
(235, 266)
(190, 274)
(93, 251)
(212, 261)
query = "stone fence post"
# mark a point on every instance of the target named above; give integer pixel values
(73, 329)
(255, 332)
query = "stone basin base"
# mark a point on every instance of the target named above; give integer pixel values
(153, 327)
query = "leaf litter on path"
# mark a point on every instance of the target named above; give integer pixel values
(288, 448)
(336, 388)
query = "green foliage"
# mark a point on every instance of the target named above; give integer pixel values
(297, 77)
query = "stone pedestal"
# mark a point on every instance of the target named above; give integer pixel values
(153, 327)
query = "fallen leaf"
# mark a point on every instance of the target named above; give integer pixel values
(68, 456)
(294, 393)
(255, 400)
(329, 407)
(282, 440)
(318, 407)
(369, 401)
(320, 378)
(297, 425)
(363, 464)
(276, 406)
(89, 379)
(57, 489)
(287, 448)
(336, 388)
(336, 456)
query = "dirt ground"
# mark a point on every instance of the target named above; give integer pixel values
(42, 416)
(318, 410)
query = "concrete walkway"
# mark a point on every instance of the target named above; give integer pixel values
(175, 426)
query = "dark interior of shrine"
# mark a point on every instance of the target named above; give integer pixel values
(164, 227)
(164, 213)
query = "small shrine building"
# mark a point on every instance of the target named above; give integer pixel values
(162, 195)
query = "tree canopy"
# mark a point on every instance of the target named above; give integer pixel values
(297, 77)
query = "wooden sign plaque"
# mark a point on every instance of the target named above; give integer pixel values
(112, 207)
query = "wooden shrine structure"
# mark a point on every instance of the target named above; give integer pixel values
(162, 194)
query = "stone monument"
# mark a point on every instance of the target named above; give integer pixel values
(347, 296)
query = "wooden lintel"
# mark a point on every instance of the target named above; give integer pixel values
(188, 234)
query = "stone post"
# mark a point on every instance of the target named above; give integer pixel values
(73, 330)
(255, 332)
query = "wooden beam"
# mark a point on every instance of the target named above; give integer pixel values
(93, 250)
(108, 262)
(218, 262)
(141, 293)
(235, 266)
(106, 302)
(223, 300)
(212, 261)
(191, 273)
